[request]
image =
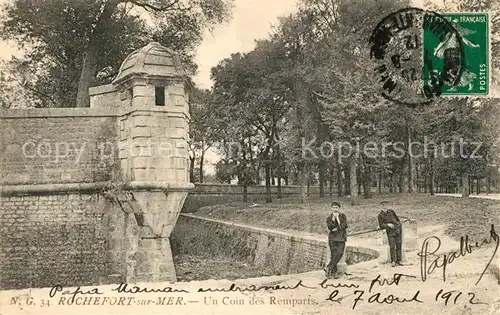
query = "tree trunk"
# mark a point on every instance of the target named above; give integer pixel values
(301, 177)
(411, 188)
(87, 74)
(279, 171)
(431, 181)
(353, 181)
(417, 180)
(367, 182)
(347, 180)
(268, 183)
(488, 182)
(401, 181)
(391, 183)
(245, 193)
(478, 185)
(380, 175)
(322, 179)
(331, 180)
(340, 185)
(358, 179)
(426, 178)
(308, 189)
(91, 55)
(202, 160)
(465, 185)
(257, 175)
(301, 92)
(191, 168)
(280, 192)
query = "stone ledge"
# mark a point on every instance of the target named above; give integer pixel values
(17, 190)
(102, 89)
(159, 185)
(13, 113)
(20, 113)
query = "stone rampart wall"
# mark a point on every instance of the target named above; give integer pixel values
(44, 146)
(280, 252)
(53, 239)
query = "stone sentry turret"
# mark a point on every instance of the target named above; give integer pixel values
(150, 93)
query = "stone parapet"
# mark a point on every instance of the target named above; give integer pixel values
(282, 252)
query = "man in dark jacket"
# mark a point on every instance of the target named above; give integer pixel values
(337, 225)
(388, 220)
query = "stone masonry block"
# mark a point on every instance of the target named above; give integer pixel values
(176, 89)
(167, 175)
(179, 163)
(143, 162)
(177, 132)
(122, 154)
(143, 101)
(179, 100)
(163, 162)
(141, 121)
(140, 132)
(139, 90)
(144, 174)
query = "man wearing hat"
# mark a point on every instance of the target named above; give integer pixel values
(388, 220)
(337, 225)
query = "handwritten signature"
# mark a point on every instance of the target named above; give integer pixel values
(432, 244)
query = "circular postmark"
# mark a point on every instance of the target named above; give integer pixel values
(417, 55)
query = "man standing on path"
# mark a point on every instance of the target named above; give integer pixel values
(337, 225)
(388, 220)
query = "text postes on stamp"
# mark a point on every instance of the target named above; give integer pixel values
(473, 29)
(420, 55)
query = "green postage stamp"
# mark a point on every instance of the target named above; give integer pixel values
(472, 35)
(422, 55)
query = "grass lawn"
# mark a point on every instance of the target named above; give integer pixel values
(461, 216)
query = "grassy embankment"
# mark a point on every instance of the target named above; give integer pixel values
(471, 217)
(461, 216)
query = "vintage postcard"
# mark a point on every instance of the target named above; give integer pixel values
(249, 157)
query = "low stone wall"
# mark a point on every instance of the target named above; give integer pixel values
(212, 194)
(282, 253)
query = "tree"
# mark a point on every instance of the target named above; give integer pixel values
(16, 85)
(464, 118)
(82, 43)
(347, 84)
(202, 133)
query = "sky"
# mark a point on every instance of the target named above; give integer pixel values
(251, 20)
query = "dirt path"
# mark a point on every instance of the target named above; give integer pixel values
(490, 196)
(304, 293)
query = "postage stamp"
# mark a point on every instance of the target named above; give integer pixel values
(420, 55)
(473, 31)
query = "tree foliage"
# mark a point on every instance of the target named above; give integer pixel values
(314, 73)
(72, 45)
